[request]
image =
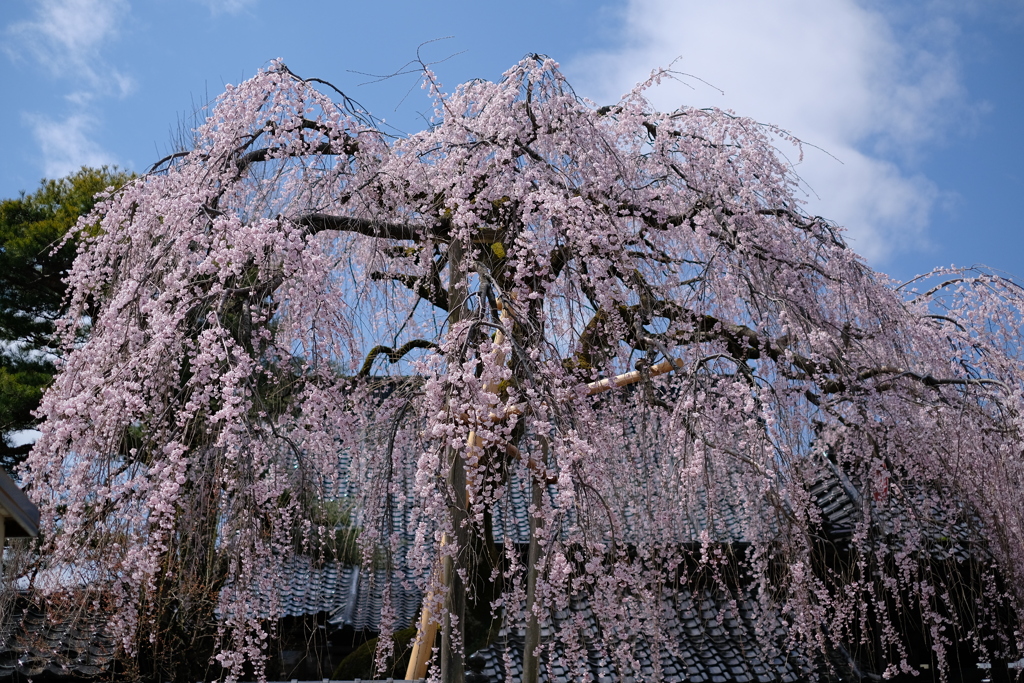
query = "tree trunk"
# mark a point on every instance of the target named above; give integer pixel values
(531, 664)
(453, 627)
(453, 633)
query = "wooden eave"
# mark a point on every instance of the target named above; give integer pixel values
(20, 515)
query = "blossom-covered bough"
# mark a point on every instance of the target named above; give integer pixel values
(301, 308)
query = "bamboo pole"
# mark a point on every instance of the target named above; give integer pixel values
(425, 636)
(602, 385)
(627, 378)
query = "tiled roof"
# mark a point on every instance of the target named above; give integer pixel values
(945, 526)
(350, 596)
(32, 644)
(708, 639)
(706, 642)
(730, 520)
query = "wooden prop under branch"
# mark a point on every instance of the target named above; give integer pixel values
(427, 629)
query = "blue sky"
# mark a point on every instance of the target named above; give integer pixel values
(919, 103)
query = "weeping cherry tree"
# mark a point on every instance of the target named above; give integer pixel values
(623, 312)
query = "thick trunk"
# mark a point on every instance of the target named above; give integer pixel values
(531, 663)
(453, 632)
(453, 626)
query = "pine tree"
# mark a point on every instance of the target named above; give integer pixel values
(34, 260)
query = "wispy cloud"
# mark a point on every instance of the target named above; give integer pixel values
(217, 7)
(67, 38)
(840, 75)
(67, 144)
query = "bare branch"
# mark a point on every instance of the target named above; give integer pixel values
(319, 222)
(393, 355)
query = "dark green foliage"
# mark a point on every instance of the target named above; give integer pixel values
(359, 664)
(481, 631)
(33, 264)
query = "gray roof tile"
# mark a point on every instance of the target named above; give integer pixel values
(32, 644)
(703, 649)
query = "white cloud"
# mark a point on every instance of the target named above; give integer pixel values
(227, 6)
(67, 37)
(837, 74)
(66, 145)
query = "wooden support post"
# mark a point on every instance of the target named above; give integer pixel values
(627, 378)
(424, 645)
(427, 630)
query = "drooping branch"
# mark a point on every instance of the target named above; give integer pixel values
(264, 153)
(393, 355)
(347, 145)
(429, 289)
(319, 222)
(742, 344)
